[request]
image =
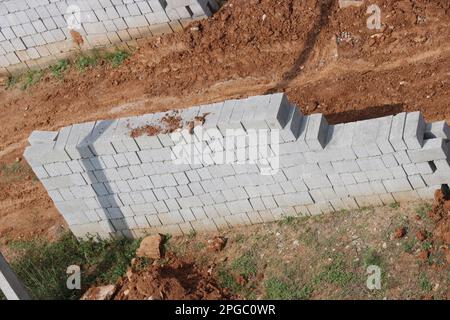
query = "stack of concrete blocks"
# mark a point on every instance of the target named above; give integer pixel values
(35, 33)
(107, 183)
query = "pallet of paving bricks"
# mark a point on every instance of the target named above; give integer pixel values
(33, 33)
(232, 163)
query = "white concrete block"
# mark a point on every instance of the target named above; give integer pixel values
(397, 129)
(414, 131)
(397, 185)
(433, 149)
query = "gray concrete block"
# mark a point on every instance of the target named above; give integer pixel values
(293, 128)
(389, 160)
(433, 149)
(439, 129)
(360, 189)
(317, 181)
(239, 206)
(414, 131)
(397, 185)
(317, 132)
(437, 178)
(346, 166)
(427, 167)
(384, 131)
(293, 199)
(368, 201)
(39, 137)
(404, 196)
(364, 142)
(397, 130)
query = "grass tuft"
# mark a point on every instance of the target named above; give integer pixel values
(59, 68)
(12, 81)
(394, 205)
(42, 265)
(277, 289)
(336, 273)
(245, 265)
(425, 284)
(86, 61)
(118, 57)
(372, 258)
(31, 78)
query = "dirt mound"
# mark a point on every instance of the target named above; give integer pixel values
(441, 214)
(174, 280)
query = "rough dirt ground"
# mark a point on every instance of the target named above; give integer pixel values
(177, 280)
(321, 257)
(323, 57)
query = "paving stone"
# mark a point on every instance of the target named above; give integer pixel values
(433, 149)
(414, 131)
(397, 129)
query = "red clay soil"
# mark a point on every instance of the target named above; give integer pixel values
(176, 280)
(323, 57)
(440, 236)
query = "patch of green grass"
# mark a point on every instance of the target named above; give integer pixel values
(85, 61)
(192, 234)
(310, 238)
(394, 205)
(427, 245)
(423, 209)
(12, 81)
(2, 296)
(226, 280)
(240, 238)
(13, 168)
(166, 242)
(12, 172)
(408, 245)
(424, 283)
(199, 246)
(31, 78)
(372, 258)
(287, 220)
(245, 265)
(42, 265)
(59, 68)
(118, 57)
(277, 289)
(336, 273)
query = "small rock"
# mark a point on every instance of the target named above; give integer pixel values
(421, 235)
(217, 244)
(129, 274)
(3, 81)
(400, 232)
(99, 293)
(423, 255)
(151, 247)
(241, 280)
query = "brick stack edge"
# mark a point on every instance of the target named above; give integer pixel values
(35, 33)
(106, 183)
